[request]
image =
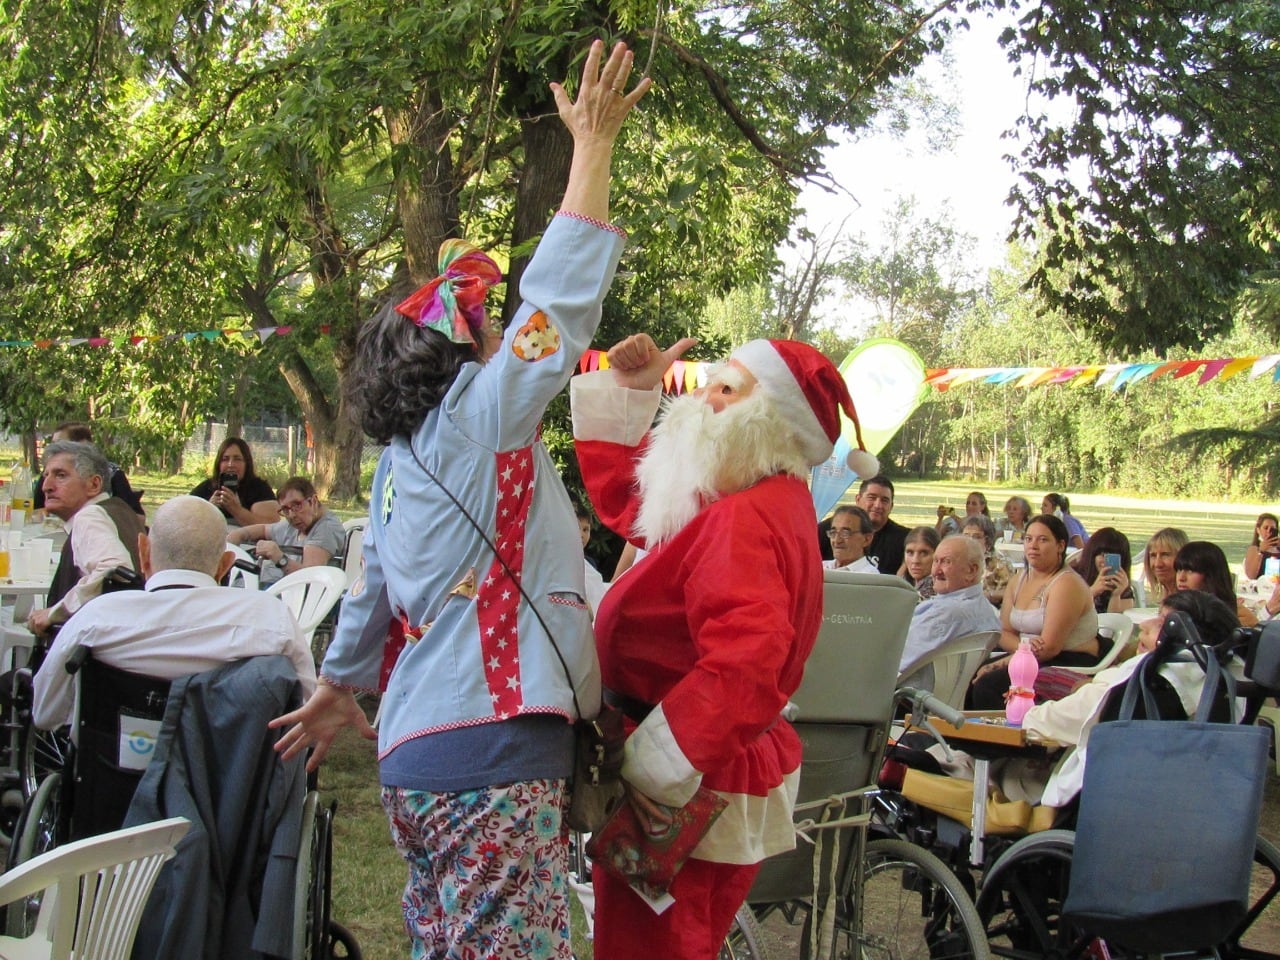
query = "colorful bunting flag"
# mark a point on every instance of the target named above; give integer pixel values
(687, 375)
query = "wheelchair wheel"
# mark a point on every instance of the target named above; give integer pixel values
(37, 831)
(1258, 934)
(913, 906)
(315, 935)
(1021, 900)
(44, 752)
(745, 940)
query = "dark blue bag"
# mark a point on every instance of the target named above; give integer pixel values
(1168, 819)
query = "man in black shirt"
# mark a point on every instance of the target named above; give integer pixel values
(875, 495)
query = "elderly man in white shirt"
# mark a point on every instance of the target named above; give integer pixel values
(183, 623)
(851, 532)
(959, 608)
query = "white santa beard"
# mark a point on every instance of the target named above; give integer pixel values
(696, 455)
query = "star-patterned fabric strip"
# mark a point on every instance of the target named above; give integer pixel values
(499, 595)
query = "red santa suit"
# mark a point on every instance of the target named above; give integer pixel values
(712, 629)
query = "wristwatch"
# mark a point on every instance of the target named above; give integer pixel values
(282, 562)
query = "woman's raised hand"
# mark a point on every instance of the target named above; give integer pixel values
(594, 120)
(603, 101)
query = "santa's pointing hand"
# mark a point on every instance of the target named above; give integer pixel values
(638, 364)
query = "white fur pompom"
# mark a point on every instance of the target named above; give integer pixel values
(862, 463)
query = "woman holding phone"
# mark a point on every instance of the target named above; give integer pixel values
(1265, 546)
(1104, 564)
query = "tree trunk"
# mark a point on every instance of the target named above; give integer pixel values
(338, 442)
(427, 202)
(548, 151)
(235, 405)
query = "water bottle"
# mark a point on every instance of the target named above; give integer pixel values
(20, 503)
(1023, 667)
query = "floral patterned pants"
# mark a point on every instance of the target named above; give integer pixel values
(487, 871)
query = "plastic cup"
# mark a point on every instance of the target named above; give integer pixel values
(20, 563)
(4, 561)
(15, 538)
(1008, 536)
(41, 556)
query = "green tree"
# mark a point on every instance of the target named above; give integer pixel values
(916, 282)
(178, 167)
(1176, 123)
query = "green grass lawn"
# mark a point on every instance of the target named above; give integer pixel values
(1228, 525)
(368, 874)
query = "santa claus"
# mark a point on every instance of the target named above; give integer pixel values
(704, 640)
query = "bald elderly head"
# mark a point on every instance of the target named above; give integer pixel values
(957, 563)
(187, 533)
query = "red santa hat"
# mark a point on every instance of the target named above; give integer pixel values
(809, 392)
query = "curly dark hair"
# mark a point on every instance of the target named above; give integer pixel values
(400, 373)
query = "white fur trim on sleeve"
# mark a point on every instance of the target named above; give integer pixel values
(604, 411)
(656, 766)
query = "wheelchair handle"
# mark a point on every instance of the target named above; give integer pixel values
(77, 659)
(924, 704)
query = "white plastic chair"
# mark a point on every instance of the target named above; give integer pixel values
(954, 664)
(94, 892)
(1138, 582)
(310, 593)
(354, 549)
(1120, 628)
(242, 578)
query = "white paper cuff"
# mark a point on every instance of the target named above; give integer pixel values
(656, 766)
(604, 411)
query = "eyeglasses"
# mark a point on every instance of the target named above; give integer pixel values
(844, 534)
(288, 508)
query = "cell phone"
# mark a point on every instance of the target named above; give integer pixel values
(1112, 562)
(228, 480)
(1271, 567)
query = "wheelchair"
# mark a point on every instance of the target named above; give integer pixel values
(1022, 882)
(118, 723)
(29, 755)
(850, 889)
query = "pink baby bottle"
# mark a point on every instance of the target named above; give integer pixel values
(1023, 668)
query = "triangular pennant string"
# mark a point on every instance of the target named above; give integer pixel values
(1238, 365)
(1087, 376)
(677, 376)
(1263, 364)
(1211, 370)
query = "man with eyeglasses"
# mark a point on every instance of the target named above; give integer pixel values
(850, 534)
(308, 535)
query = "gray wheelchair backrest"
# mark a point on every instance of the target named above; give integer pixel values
(851, 674)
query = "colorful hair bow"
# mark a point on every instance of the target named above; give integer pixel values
(453, 303)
